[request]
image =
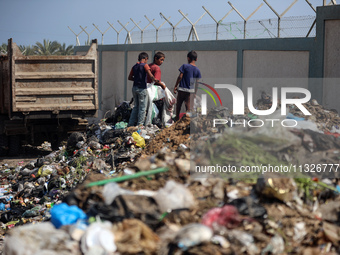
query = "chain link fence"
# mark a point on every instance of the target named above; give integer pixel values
(279, 26)
(298, 26)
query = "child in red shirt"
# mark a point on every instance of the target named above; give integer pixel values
(158, 60)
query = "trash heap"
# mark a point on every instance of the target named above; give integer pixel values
(120, 190)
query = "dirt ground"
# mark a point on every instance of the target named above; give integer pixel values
(282, 218)
(15, 161)
(29, 154)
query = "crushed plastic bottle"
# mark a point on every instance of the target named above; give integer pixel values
(192, 235)
(98, 239)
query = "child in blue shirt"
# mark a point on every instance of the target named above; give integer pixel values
(186, 83)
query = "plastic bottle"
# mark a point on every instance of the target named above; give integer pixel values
(192, 235)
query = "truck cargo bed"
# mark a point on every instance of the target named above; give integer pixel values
(45, 97)
(31, 84)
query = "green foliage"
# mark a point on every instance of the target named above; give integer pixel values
(65, 50)
(3, 49)
(45, 48)
(307, 185)
(80, 162)
(27, 50)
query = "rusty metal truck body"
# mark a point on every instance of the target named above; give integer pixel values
(45, 97)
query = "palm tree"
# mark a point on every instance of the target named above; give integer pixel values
(22, 48)
(27, 50)
(30, 50)
(3, 49)
(63, 50)
(47, 48)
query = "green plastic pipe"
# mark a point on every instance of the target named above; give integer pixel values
(128, 177)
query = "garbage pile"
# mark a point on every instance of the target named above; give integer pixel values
(325, 120)
(133, 190)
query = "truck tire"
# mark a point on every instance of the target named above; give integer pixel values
(3, 145)
(14, 145)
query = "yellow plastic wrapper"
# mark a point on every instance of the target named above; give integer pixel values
(140, 142)
(44, 171)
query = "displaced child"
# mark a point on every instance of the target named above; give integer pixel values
(186, 83)
(138, 75)
(155, 69)
(154, 92)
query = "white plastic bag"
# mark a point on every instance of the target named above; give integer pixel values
(173, 196)
(155, 111)
(168, 108)
(155, 93)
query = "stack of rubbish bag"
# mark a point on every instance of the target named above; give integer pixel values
(137, 190)
(160, 106)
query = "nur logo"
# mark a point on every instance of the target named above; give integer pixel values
(238, 99)
(204, 97)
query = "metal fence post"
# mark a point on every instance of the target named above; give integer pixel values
(245, 19)
(173, 26)
(103, 33)
(77, 35)
(157, 28)
(118, 32)
(217, 22)
(128, 35)
(280, 16)
(314, 22)
(141, 30)
(193, 31)
(88, 34)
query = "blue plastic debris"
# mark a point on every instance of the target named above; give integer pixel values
(338, 188)
(2, 207)
(63, 214)
(293, 117)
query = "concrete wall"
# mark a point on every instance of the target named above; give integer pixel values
(275, 64)
(215, 66)
(263, 70)
(112, 79)
(258, 63)
(331, 83)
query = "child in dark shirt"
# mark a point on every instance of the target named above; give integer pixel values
(138, 75)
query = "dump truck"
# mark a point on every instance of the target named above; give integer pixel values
(44, 98)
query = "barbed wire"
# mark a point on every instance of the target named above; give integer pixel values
(297, 26)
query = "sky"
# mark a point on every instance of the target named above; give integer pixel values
(31, 21)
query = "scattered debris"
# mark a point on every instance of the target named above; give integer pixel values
(132, 190)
